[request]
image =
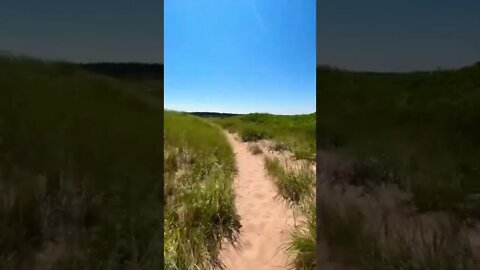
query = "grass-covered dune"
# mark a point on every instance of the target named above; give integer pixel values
(418, 132)
(80, 170)
(199, 198)
(145, 78)
(295, 132)
(425, 123)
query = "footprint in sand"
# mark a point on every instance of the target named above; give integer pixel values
(259, 196)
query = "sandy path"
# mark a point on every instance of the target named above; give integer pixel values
(265, 221)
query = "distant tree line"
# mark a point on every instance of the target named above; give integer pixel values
(214, 114)
(134, 71)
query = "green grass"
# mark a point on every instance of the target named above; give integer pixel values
(353, 241)
(424, 125)
(253, 135)
(296, 132)
(303, 239)
(199, 199)
(296, 186)
(293, 185)
(418, 131)
(80, 180)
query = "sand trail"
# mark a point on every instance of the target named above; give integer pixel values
(266, 221)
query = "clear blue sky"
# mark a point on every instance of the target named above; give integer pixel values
(240, 56)
(398, 35)
(85, 30)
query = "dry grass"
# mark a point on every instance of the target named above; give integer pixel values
(296, 185)
(378, 229)
(255, 149)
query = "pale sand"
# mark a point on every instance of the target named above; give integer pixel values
(266, 221)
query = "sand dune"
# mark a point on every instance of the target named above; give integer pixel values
(266, 221)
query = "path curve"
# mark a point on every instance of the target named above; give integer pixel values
(266, 222)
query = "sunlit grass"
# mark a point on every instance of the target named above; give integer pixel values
(296, 186)
(295, 132)
(200, 202)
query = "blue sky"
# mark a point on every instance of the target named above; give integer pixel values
(84, 31)
(398, 35)
(240, 56)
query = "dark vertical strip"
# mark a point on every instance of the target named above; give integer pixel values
(317, 135)
(162, 13)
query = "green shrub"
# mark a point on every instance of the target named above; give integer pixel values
(255, 149)
(253, 135)
(279, 147)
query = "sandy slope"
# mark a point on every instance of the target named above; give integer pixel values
(265, 221)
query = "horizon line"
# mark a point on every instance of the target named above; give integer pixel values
(216, 112)
(439, 68)
(9, 53)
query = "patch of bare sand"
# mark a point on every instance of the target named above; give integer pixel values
(266, 221)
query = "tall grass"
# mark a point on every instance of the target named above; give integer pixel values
(356, 239)
(297, 132)
(293, 184)
(424, 123)
(416, 132)
(80, 179)
(296, 186)
(199, 200)
(302, 246)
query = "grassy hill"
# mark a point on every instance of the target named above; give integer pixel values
(294, 132)
(145, 78)
(199, 199)
(417, 131)
(427, 122)
(80, 180)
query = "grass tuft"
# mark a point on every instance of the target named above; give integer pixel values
(255, 149)
(279, 147)
(297, 186)
(253, 135)
(293, 184)
(303, 244)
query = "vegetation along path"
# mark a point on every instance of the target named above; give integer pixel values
(265, 219)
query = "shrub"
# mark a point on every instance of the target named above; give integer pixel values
(255, 149)
(253, 135)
